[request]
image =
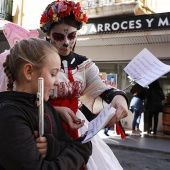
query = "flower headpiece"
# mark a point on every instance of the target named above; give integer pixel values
(59, 10)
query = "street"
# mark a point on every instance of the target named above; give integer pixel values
(137, 160)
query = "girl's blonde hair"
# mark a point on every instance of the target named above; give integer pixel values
(33, 51)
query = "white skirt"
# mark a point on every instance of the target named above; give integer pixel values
(102, 157)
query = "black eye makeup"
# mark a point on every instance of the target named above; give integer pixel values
(60, 37)
(72, 36)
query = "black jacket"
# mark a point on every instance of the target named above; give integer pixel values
(18, 151)
(154, 98)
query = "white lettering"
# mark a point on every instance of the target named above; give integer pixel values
(115, 26)
(107, 27)
(92, 29)
(138, 24)
(131, 24)
(149, 22)
(122, 25)
(162, 23)
(99, 27)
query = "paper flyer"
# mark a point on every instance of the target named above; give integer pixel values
(145, 68)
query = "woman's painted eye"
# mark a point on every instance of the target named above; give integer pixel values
(58, 37)
(72, 36)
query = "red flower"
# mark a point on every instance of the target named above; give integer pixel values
(64, 10)
(50, 12)
(44, 18)
(85, 19)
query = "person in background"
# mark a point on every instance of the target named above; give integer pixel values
(106, 130)
(153, 105)
(137, 106)
(79, 80)
(21, 147)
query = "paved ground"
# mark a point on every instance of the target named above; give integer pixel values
(145, 142)
(145, 152)
(138, 160)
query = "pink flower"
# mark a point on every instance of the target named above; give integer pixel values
(62, 7)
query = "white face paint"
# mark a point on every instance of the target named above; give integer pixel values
(63, 37)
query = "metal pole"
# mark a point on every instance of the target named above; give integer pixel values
(40, 104)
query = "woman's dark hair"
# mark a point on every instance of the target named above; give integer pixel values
(136, 89)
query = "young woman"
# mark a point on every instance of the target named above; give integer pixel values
(79, 79)
(137, 106)
(20, 146)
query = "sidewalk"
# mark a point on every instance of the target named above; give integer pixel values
(145, 143)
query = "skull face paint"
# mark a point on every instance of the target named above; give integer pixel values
(63, 37)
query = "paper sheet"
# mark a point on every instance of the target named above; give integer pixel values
(99, 122)
(145, 68)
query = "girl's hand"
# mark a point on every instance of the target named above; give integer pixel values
(68, 116)
(41, 143)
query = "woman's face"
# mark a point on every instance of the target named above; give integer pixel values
(63, 37)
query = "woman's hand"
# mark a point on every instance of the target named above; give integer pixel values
(120, 104)
(41, 143)
(68, 116)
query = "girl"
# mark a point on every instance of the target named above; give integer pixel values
(20, 147)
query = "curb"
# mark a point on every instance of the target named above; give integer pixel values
(144, 150)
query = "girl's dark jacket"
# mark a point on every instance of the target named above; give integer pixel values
(18, 151)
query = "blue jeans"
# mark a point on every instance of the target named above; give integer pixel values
(106, 129)
(136, 120)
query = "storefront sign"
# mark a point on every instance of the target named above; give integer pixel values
(127, 24)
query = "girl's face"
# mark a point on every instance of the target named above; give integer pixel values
(63, 37)
(49, 73)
